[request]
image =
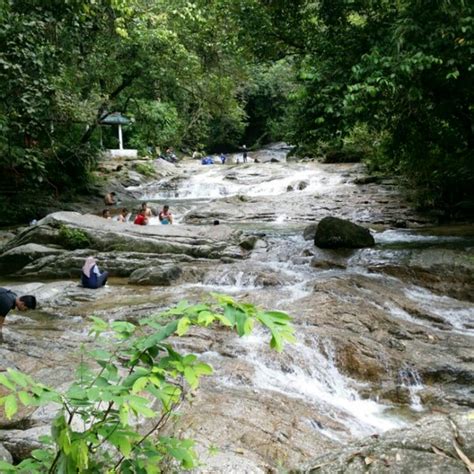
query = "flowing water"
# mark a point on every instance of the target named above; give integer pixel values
(276, 201)
(309, 373)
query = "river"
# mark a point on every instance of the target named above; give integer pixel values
(384, 333)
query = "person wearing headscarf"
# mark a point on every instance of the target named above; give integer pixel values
(91, 277)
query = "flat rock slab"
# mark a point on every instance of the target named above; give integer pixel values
(37, 247)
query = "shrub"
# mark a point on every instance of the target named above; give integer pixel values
(71, 238)
(136, 374)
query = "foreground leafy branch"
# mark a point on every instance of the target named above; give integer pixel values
(111, 417)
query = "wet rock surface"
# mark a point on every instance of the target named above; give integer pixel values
(437, 444)
(384, 334)
(40, 250)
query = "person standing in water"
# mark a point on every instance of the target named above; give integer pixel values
(165, 215)
(244, 153)
(91, 277)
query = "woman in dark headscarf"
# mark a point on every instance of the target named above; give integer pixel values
(91, 276)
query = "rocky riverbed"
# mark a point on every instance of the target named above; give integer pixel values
(385, 333)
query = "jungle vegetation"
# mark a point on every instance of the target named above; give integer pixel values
(390, 81)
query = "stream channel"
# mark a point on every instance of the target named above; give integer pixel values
(384, 334)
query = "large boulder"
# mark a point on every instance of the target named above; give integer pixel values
(40, 249)
(436, 444)
(333, 232)
(18, 257)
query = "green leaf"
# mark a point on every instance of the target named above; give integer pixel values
(203, 369)
(190, 376)
(122, 442)
(183, 326)
(6, 467)
(19, 378)
(100, 354)
(25, 398)
(11, 406)
(6, 382)
(124, 414)
(98, 327)
(142, 409)
(140, 384)
(154, 339)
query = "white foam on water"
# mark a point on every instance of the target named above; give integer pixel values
(411, 379)
(460, 314)
(213, 183)
(318, 382)
(398, 235)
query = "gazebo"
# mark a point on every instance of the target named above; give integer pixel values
(116, 118)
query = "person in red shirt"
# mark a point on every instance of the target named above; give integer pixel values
(141, 218)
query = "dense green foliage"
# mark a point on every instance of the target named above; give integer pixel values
(390, 79)
(113, 416)
(403, 73)
(71, 238)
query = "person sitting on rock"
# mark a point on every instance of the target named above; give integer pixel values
(109, 199)
(141, 218)
(91, 277)
(10, 300)
(106, 214)
(165, 215)
(123, 216)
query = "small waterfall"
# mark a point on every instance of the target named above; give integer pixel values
(237, 279)
(311, 375)
(458, 314)
(410, 379)
(219, 181)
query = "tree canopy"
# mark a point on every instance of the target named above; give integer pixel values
(393, 79)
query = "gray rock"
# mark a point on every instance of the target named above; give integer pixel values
(5, 454)
(310, 231)
(18, 257)
(249, 242)
(333, 232)
(164, 275)
(20, 443)
(103, 235)
(430, 446)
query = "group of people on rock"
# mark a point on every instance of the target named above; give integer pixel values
(145, 213)
(209, 160)
(143, 216)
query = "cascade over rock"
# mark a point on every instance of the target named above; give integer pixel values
(384, 334)
(333, 232)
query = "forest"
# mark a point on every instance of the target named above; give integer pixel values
(389, 83)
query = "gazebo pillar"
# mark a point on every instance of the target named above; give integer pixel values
(120, 137)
